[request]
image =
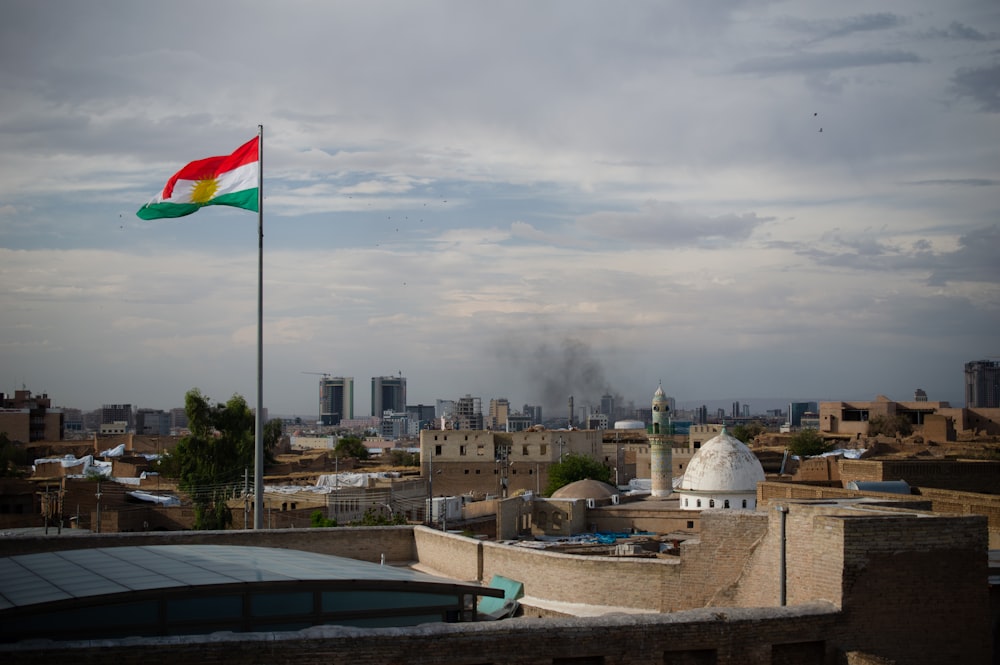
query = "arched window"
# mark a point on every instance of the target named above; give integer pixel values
(685, 502)
(556, 520)
(699, 504)
(744, 503)
(711, 503)
(725, 503)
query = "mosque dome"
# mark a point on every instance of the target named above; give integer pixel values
(723, 464)
(585, 489)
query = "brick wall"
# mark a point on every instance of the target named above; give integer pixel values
(448, 554)
(963, 476)
(927, 498)
(594, 580)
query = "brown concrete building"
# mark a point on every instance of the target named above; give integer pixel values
(26, 418)
(481, 463)
(938, 420)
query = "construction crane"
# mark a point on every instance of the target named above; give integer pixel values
(325, 375)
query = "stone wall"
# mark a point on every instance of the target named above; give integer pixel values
(799, 636)
(592, 580)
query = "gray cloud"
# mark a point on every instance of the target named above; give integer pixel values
(976, 259)
(670, 225)
(963, 182)
(960, 31)
(824, 29)
(828, 61)
(981, 84)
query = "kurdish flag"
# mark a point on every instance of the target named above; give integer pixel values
(229, 180)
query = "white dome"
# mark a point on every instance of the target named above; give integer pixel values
(723, 464)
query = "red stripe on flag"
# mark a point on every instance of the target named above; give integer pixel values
(213, 166)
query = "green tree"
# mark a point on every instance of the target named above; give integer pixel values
(318, 520)
(13, 457)
(746, 433)
(808, 442)
(575, 467)
(897, 425)
(351, 446)
(210, 463)
(403, 458)
(375, 517)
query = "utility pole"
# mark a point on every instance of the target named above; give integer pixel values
(98, 506)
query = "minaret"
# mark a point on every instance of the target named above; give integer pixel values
(661, 458)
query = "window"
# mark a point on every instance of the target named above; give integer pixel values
(711, 503)
(544, 449)
(480, 450)
(524, 449)
(690, 524)
(556, 520)
(466, 472)
(686, 502)
(726, 503)
(698, 505)
(461, 450)
(437, 450)
(477, 472)
(744, 503)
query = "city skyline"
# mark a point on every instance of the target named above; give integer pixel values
(516, 201)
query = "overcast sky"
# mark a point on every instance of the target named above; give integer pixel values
(743, 200)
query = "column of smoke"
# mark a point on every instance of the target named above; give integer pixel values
(567, 370)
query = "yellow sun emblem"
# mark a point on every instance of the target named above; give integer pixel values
(204, 190)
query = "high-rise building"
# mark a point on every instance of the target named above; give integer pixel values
(118, 413)
(608, 405)
(797, 409)
(499, 411)
(469, 412)
(152, 422)
(336, 399)
(388, 394)
(982, 384)
(533, 412)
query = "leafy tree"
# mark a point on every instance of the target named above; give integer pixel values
(897, 425)
(374, 517)
(318, 520)
(808, 442)
(403, 458)
(210, 462)
(351, 446)
(748, 432)
(12, 457)
(575, 467)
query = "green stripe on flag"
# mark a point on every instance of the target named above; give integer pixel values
(246, 199)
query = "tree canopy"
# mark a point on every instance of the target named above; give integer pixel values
(210, 463)
(746, 433)
(897, 425)
(808, 442)
(575, 467)
(351, 446)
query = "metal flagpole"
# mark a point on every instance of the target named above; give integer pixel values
(258, 463)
